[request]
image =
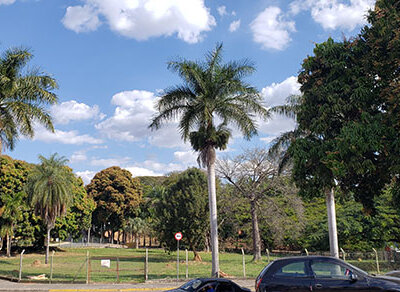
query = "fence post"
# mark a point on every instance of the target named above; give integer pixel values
(377, 260)
(244, 264)
(306, 251)
(87, 268)
(51, 267)
(187, 264)
(117, 270)
(344, 254)
(267, 254)
(146, 265)
(20, 265)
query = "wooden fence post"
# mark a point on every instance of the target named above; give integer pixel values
(344, 254)
(87, 268)
(268, 254)
(51, 267)
(187, 264)
(377, 260)
(146, 265)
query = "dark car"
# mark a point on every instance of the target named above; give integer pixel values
(318, 273)
(210, 285)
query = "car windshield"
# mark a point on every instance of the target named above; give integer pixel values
(191, 285)
(364, 273)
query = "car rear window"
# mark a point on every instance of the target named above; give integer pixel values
(296, 270)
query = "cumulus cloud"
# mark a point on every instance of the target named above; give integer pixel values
(81, 18)
(234, 26)
(86, 175)
(271, 29)
(6, 2)
(64, 137)
(140, 171)
(335, 14)
(132, 116)
(188, 158)
(277, 93)
(72, 110)
(140, 20)
(78, 156)
(222, 10)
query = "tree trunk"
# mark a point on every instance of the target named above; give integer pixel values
(256, 232)
(88, 236)
(144, 240)
(8, 239)
(136, 241)
(212, 197)
(330, 206)
(150, 238)
(46, 259)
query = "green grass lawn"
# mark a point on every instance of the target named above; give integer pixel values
(70, 264)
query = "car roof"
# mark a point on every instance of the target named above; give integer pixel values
(214, 279)
(299, 258)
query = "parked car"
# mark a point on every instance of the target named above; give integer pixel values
(395, 273)
(210, 285)
(319, 273)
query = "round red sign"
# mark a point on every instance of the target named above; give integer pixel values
(178, 236)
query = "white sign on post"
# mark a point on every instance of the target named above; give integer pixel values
(105, 263)
(178, 236)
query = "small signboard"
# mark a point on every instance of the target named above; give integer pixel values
(178, 236)
(105, 263)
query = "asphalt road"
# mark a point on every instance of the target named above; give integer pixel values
(148, 286)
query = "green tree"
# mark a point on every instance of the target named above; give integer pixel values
(49, 188)
(213, 96)
(117, 195)
(183, 208)
(22, 97)
(135, 226)
(11, 213)
(79, 215)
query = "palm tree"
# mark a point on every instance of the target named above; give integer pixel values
(213, 96)
(135, 225)
(22, 97)
(49, 187)
(10, 213)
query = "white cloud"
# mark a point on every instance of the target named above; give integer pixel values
(144, 19)
(86, 175)
(276, 93)
(6, 2)
(222, 10)
(140, 171)
(72, 110)
(271, 30)
(108, 162)
(81, 18)
(234, 26)
(132, 117)
(64, 137)
(277, 125)
(78, 156)
(188, 158)
(333, 14)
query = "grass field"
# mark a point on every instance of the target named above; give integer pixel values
(70, 264)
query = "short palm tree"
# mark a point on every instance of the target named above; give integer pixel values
(213, 96)
(49, 187)
(10, 213)
(23, 94)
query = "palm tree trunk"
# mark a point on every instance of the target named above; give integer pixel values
(8, 244)
(46, 260)
(256, 232)
(330, 206)
(212, 197)
(136, 241)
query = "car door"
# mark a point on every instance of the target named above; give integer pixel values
(333, 276)
(290, 276)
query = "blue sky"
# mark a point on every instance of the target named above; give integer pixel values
(109, 57)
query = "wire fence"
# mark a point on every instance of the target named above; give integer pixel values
(85, 264)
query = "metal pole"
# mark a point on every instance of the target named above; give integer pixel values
(268, 254)
(20, 265)
(377, 260)
(87, 268)
(244, 264)
(117, 270)
(146, 265)
(177, 261)
(51, 267)
(187, 264)
(306, 251)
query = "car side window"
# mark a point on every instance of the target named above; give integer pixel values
(225, 287)
(330, 270)
(296, 270)
(209, 287)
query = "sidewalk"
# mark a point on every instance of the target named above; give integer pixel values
(149, 286)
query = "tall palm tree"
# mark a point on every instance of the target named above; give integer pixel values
(213, 95)
(49, 187)
(23, 94)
